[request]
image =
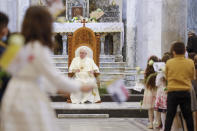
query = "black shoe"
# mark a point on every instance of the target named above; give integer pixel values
(87, 102)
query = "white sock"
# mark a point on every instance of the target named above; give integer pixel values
(157, 117)
(163, 119)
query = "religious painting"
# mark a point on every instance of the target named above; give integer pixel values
(77, 11)
(75, 8)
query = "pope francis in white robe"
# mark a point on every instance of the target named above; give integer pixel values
(84, 68)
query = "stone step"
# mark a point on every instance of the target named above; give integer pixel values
(61, 116)
(109, 76)
(66, 56)
(113, 74)
(104, 98)
(114, 110)
(102, 64)
(60, 58)
(102, 69)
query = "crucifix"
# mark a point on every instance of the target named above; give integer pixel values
(84, 22)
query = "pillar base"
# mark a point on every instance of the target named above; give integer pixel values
(118, 58)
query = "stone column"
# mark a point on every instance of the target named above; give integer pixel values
(117, 50)
(102, 44)
(174, 22)
(148, 30)
(192, 13)
(64, 39)
(131, 32)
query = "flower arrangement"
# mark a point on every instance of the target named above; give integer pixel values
(97, 14)
(75, 20)
(94, 16)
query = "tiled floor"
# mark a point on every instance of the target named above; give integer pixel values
(108, 124)
(101, 124)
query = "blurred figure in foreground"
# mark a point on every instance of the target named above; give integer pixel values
(4, 77)
(25, 107)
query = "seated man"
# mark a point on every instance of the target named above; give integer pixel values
(84, 68)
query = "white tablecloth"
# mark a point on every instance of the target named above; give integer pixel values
(96, 27)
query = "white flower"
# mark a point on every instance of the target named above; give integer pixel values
(137, 68)
(61, 19)
(142, 72)
(151, 62)
(163, 69)
(17, 39)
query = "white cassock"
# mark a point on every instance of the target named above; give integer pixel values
(25, 106)
(85, 65)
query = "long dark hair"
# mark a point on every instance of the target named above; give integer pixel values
(150, 75)
(37, 25)
(166, 57)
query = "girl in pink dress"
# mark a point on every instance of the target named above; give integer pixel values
(161, 98)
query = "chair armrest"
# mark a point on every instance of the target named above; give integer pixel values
(96, 74)
(70, 74)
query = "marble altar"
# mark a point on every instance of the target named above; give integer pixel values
(96, 27)
(115, 28)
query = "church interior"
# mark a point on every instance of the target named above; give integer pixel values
(120, 36)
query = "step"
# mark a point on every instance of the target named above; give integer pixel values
(66, 56)
(104, 98)
(113, 109)
(60, 58)
(106, 77)
(113, 74)
(61, 116)
(102, 64)
(102, 69)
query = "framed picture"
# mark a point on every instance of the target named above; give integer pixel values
(77, 11)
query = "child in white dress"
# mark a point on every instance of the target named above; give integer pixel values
(25, 107)
(150, 90)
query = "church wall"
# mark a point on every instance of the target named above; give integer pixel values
(174, 22)
(120, 3)
(192, 15)
(10, 8)
(21, 11)
(148, 30)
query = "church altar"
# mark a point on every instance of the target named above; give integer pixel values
(96, 27)
(116, 29)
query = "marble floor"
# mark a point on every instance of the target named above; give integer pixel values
(107, 124)
(104, 105)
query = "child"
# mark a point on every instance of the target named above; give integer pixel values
(25, 107)
(194, 94)
(3, 31)
(161, 99)
(4, 77)
(179, 74)
(150, 90)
